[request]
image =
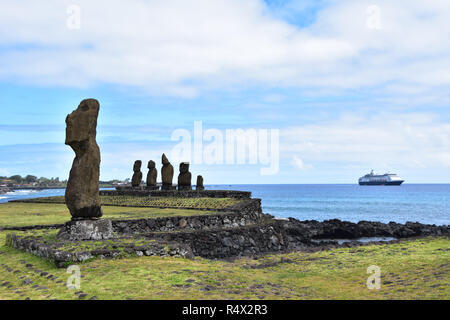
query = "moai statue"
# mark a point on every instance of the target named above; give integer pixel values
(184, 178)
(199, 185)
(137, 176)
(166, 173)
(82, 192)
(152, 175)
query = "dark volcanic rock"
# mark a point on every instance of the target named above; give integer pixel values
(166, 173)
(302, 232)
(87, 230)
(185, 177)
(152, 174)
(223, 243)
(82, 193)
(137, 175)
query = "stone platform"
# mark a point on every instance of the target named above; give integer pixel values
(177, 193)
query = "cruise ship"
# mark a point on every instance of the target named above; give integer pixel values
(387, 179)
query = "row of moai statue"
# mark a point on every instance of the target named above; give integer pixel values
(184, 178)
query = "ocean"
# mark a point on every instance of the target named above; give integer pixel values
(425, 203)
(28, 194)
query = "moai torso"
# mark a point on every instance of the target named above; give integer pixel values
(166, 174)
(82, 192)
(184, 178)
(152, 174)
(199, 186)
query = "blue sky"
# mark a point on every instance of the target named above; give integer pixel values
(350, 85)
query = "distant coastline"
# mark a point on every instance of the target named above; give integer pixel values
(4, 190)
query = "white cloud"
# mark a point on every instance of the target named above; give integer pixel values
(380, 141)
(180, 47)
(298, 163)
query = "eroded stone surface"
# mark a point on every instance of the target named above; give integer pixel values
(87, 230)
(82, 192)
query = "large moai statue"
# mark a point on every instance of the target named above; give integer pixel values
(199, 186)
(137, 175)
(82, 192)
(184, 178)
(152, 175)
(166, 173)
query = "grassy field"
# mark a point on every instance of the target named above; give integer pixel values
(23, 214)
(416, 269)
(178, 202)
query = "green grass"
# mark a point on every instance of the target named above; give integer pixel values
(26, 214)
(179, 202)
(417, 269)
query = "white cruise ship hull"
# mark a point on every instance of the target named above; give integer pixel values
(381, 183)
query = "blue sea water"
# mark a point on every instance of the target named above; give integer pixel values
(425, 203)
(28, 194)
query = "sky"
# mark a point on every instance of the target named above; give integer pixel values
(347, 86)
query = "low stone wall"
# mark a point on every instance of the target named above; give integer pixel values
(245, 207)
(176, 193)
(239, 215)
(244, 241)
(63, 258)
(203, 222)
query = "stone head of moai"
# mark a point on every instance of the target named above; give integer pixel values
(137, 176)
(151, 164)
(184, 167)
(184, 178)
(82, 192)
(81, 124)
(137, 166)
(164, 160)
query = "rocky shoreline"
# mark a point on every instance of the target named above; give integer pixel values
(304, 234)
(337, 229)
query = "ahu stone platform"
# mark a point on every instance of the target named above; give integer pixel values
(142, 191)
